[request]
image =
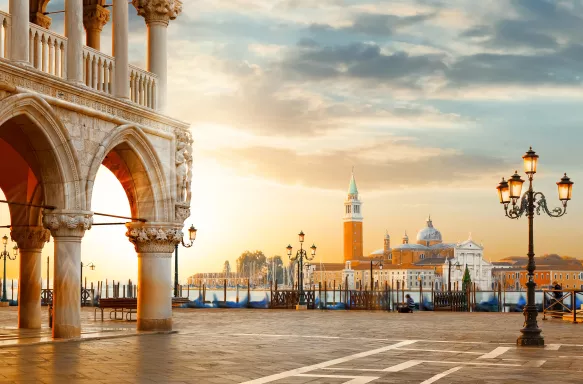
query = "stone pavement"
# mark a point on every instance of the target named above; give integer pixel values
(328, 347)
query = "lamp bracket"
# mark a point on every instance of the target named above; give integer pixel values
(540, 204)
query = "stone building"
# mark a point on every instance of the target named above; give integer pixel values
(66, 109)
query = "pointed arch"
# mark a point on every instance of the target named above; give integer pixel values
(130, 155)
(30, 125)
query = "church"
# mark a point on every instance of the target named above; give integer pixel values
(427, 256)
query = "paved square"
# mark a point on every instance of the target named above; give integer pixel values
(328, 347)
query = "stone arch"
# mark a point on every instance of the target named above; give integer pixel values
(129, 155)
(38, 135)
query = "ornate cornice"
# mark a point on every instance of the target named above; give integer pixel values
(68, 223)
(30, 237)
(95, 17)
(160, 238)
(158, 11)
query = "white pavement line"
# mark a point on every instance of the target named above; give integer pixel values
(438, 350)
(441, 375)
(495, 353)
(552, 347)
(534, 363)
(355, 379)
(471, 363)
(402, 366)
(298, 371)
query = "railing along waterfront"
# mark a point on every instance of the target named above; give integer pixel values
(5, 29)
(143, 87)
(98, 70)
(47, 51)
(563, 303)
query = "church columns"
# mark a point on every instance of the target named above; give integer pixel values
(120, 48)
(31, 241)
(19, 38)
(155, 244)
(158, 14)
(67, 229)
(74, 34)
(95, 16)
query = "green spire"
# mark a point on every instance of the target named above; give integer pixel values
(352, 190)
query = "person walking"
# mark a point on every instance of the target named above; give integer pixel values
(558, 294)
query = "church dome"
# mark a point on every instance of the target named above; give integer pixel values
(429, 233)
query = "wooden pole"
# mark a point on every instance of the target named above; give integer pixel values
(12, 293)
(420, 295)
(334, 293)
(225, 291)
(248, 294)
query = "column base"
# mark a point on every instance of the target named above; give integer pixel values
(301, 307)
(154, 324)
(66, 332)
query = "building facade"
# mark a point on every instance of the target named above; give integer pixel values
(66, 108)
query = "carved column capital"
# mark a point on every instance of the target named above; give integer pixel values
(30, 237)
(159, 238)
(41, 20)
(65, 223)
(158, 11)
(95, 17)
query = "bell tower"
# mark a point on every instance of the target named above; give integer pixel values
(352, 224)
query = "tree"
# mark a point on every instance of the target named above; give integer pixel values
(467, 280)
(227, 269)
(250, 262)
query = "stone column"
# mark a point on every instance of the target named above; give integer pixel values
(158, 14)
(95, 16)
(154, 243)
(121, 81)
(67, 229)
(19, 40)
(74, 34)
(31, 241)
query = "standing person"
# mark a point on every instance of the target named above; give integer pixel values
(558, 296)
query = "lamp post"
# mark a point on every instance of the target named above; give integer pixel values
(91, 266)
(457, 266)
(378, 263)
(191, 238)
(511, 191)
(301, 254)
(6, 255)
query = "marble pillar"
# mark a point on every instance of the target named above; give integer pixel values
(154, 243)
(74, 34)
(19, 39)
(158, 14)
(121, 83)
(67, 229)
(95, 17)
(31, 241)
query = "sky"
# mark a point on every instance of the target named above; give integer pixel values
(431, 102)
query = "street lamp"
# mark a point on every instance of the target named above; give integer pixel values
(191, 238)
(532, 201)
(6, 255)
(91, 266)
(457, 266)
(301, 254)
(378, 263)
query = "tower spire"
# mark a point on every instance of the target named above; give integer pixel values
(352, 190)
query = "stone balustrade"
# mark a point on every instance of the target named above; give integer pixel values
(4, 35)
(47, 51)
(98, 70)
(143, 87)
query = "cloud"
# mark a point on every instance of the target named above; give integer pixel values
(323, 170)
(375, 24)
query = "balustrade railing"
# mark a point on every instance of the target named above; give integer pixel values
(47, 51)
(143, 86)
(98, 70)
(5, 35)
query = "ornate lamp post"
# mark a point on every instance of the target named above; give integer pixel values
(191, 238)
(91, 266)
(457, 266)
(301, 255)
(378, 263)
(510, 191)
(6, 255)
